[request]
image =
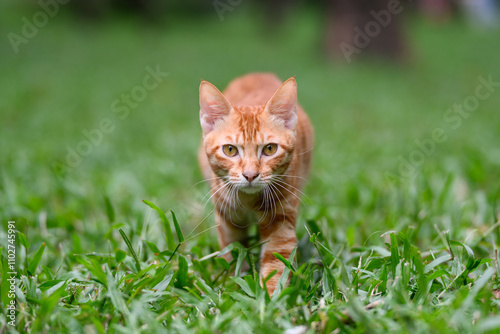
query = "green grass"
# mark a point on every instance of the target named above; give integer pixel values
(93, 257)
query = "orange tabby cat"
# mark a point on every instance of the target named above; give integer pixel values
(256, 152)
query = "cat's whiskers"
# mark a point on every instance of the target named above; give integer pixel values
(264, 203)
(309, 150)
(224, 184)
(276, 179)
(284, 185)
(273, 206)
(238, 198)
(289, 205)
(292, 193)
(264, 193)
(284, 212)
(273, 189)
(222, 197)
(286, 175)
(210, 191)
(206, 180)
(232, 200)
(288, 184)
(235, 194)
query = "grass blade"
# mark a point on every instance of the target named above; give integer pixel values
(394, 254)
(110, 212)
(244, 286)
(180, 237)
(129, 245)
(470, 253)
(284, 276)
(285, 261)
(36, 259)
(23, 240)
(182, 273)
(467, 303)
(166, 223)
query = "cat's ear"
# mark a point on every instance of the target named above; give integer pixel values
(283, 104)
(213, 106)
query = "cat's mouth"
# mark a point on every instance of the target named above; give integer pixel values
(250, 188)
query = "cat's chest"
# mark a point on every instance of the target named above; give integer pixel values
(239, 208)
(248, 202)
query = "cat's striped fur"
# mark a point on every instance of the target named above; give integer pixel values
(254, 111)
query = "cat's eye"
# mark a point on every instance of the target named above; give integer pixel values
(270, 149)
(230, 150)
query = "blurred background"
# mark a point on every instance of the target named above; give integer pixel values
(99, 109)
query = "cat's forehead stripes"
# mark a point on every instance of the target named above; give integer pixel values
(249, 122)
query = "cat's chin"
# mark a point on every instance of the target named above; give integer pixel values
(250, 189)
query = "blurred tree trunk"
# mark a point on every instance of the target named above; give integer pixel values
(102, 8)
(436, 10)
(366, 27)
(276, 10)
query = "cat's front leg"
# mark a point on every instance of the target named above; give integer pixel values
(279, 235)
(229, 232)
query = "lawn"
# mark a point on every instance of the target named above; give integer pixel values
(399, 231)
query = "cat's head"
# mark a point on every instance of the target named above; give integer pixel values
(248, 146)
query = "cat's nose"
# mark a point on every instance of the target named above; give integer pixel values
(250, 176)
